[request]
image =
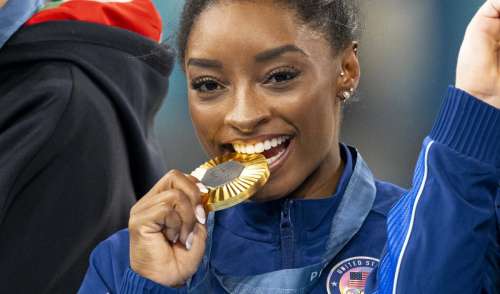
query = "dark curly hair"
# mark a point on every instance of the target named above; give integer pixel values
(338, 20)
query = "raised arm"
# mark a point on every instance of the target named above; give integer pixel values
(478, 66)
(443, 234)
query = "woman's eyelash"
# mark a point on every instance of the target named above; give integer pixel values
(196, 83)
(280, 75)
(288, 73)
(200, 84)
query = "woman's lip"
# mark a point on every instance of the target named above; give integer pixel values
(255, 140)
(281, 160)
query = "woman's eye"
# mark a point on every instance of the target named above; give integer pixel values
(205, 85)
(280, 77)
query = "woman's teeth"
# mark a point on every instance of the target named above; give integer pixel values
(261, 146)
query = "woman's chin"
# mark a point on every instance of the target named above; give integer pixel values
(269, 193)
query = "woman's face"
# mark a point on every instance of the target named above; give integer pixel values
(259, 81)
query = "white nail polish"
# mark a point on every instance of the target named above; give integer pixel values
(199, 173)
(202, 188)
(189, 241)
(200, 214)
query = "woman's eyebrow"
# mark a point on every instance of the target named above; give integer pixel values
(261, 57)
(207, 63)
(276, 52)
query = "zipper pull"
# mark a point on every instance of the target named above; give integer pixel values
(285, 214)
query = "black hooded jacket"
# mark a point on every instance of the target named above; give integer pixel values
(77, 106)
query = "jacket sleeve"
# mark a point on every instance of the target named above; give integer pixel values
(30, 112)
(443, 234)
(64, 184)
(109, 271)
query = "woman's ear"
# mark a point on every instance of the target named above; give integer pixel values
(350, 72)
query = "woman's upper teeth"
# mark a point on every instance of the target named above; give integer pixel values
(260, 146)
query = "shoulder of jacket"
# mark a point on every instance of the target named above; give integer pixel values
(387, 195)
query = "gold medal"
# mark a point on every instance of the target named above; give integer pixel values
(231, 179)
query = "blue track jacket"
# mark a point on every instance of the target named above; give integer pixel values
(441, 236)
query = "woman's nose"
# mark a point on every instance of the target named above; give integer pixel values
(247, 113)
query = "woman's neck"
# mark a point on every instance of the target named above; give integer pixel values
(323, 181)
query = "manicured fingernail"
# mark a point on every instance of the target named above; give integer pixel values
(200, 214)
(202, 188)
(189, 241)
(199, 173)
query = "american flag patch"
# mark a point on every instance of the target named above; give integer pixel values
(350, 276)
(357, 280)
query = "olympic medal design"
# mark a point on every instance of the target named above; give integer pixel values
(231, 179)
(349, 276)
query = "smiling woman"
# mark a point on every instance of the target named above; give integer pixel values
(271, 77)
(257, 86)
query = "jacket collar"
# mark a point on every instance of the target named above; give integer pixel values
(260, 221)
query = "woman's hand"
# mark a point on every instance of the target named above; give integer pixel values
(478, 68)
(167, 231)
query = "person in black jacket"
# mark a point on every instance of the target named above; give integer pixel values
(77, 106)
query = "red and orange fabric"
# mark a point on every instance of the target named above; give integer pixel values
(139, 16)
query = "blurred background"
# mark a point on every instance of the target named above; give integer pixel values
(408, 54)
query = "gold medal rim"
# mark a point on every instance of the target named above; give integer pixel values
(254, 163)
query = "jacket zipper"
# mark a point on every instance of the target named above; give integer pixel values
(286, 232)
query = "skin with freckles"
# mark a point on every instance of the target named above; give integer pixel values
(254, 72)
